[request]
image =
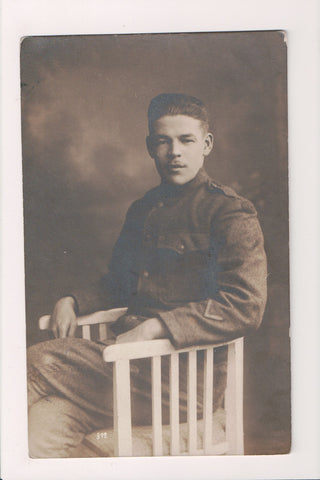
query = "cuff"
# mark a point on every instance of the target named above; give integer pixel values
(176, 333)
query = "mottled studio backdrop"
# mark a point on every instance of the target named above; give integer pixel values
(84, 103)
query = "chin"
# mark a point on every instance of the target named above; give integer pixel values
(175, 180)
(179, 179)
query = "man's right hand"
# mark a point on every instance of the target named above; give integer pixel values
(63, 321)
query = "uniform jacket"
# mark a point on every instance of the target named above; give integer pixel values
(193, 256)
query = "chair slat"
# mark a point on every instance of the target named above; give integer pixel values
(103, 331)
(122, 409)
(208, 399)
(192, 402)
(156, 407)
(234, 398)
(174, 404)
(86, 332)
(146, 349)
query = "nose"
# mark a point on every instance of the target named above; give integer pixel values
(174, 150)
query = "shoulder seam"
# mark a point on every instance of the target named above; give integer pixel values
(225, 190)
(246, 204)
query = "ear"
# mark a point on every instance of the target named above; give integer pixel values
(150, 148)
(208, 144)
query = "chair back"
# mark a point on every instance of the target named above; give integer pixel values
(121, 355)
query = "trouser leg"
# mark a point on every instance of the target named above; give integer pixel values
(69, 395)
(72, 368)
(57, 427)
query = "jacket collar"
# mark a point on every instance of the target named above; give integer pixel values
(169, 190)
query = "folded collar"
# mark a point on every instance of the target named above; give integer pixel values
(169, 190)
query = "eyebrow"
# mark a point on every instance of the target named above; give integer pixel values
(185, 135)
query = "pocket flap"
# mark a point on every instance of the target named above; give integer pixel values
(182, 242)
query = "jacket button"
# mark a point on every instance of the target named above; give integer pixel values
(160, 204)
(147, 236)
(146, 274)
(182, 246)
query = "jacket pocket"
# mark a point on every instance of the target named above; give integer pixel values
(185, 266)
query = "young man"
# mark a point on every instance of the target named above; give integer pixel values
(189, 264)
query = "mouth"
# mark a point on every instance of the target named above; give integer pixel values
(175, 167)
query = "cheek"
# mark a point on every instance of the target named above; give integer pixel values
(160, 152)
(196, 156)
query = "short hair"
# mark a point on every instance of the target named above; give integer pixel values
(177, 104)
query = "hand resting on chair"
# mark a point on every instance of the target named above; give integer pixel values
(63, 323)
(148, 330)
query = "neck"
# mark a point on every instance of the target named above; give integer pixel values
(200, 177)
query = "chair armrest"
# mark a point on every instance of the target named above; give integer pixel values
(150, 348)
(104, 316)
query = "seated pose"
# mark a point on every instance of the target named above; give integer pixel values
(190, 266)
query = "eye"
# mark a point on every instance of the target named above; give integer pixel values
(187, 140)
(161, 141)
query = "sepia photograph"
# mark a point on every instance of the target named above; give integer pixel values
(155, 190)
(159, 240)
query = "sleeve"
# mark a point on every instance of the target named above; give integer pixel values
(115, 287)
(238, 303)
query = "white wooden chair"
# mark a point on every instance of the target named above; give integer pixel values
(121, 355)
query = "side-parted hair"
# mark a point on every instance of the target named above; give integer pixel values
(177, 104)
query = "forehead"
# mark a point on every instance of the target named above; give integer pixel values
(175, 125)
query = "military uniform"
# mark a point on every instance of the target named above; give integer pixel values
(190, 255)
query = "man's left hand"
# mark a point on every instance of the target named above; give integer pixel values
(148, 330)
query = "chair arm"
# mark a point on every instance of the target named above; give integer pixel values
(151, 348)
(104, 316)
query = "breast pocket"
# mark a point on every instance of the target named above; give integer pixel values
(186, 266)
